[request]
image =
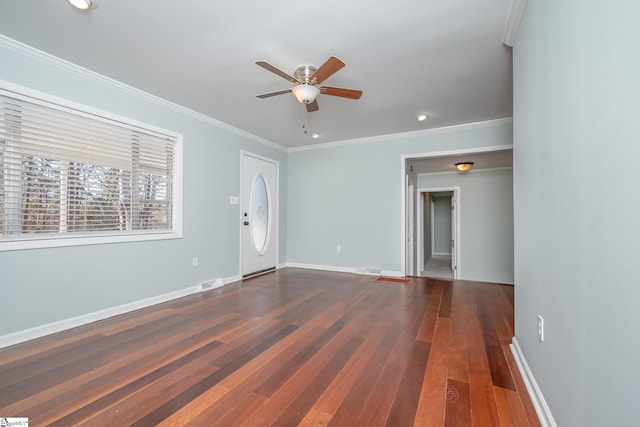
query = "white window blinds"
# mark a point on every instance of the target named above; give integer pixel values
(65, 172)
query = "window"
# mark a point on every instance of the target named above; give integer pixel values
(69, 176)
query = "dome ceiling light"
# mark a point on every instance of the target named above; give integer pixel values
(464, 166)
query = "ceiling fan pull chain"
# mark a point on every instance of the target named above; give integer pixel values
(304, 119)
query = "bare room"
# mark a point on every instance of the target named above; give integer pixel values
(384, 214)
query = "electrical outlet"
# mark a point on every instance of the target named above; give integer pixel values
(194, 262)
(540, 328)
(338, 248)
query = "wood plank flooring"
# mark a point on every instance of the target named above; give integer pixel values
(292, 347)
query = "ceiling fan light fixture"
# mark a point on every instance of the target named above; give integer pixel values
(464, 166)
(83, 4)
(305, 93)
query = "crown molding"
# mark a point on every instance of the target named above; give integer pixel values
(405, 135)
(31, 52)
(513, 21)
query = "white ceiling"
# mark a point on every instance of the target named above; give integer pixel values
(441, 57)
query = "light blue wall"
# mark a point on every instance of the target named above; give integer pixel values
(41, 286)
(577, 198)
(350, 195)
(486, 221)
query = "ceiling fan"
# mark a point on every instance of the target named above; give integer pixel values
(307, 78)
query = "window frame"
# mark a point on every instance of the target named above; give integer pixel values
(51, 240)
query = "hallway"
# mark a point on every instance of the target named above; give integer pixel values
(438, 266)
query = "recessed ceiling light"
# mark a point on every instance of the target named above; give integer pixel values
(422, 117)
(315, 135)
(83, 4)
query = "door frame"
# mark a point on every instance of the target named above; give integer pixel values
(456, 247)
(403, 202)
(409, 224)
(275, 233)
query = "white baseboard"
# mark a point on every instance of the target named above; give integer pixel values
(73, 322)
(391, 273)
(353, 270)
(231, 279)
(540, 405)
(321, 267)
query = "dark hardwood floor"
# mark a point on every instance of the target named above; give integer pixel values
(293, 347)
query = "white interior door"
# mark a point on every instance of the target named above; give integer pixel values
(454, 244)
(259, 210)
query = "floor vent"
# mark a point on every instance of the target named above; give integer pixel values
(211, 284)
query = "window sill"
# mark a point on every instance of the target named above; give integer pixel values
(44, 242)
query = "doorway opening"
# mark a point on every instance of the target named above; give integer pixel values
(415, 170)
(437, 237)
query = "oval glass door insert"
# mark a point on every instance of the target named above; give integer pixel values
(259, 214)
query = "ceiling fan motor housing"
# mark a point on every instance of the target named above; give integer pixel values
(303, 73)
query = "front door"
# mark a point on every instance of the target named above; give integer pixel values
(259, 212)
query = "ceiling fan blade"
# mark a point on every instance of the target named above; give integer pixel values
(270, 94)
(342, 92)
(274, 70)
(326, 70)
(313, 106)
